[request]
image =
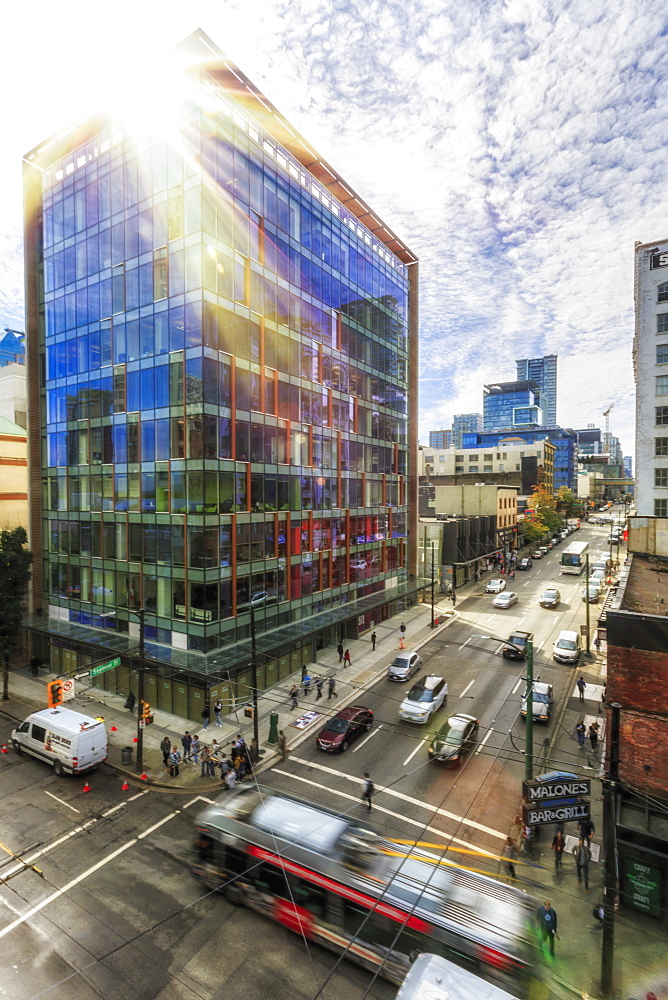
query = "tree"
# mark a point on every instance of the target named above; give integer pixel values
(534, 528)
(545, 506)
(15, 573)
(568, 503)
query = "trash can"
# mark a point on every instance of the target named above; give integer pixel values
(126, 755)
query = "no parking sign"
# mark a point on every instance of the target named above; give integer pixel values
(67, 690)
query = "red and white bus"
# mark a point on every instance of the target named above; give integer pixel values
(341, 885)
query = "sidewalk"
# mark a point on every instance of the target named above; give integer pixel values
(28, 694)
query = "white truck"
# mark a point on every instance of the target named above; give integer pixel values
(69, 741)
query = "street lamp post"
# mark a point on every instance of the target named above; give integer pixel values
(255, 599)
(528, 739)
(587, 603)
(139, 767)
(432, 584)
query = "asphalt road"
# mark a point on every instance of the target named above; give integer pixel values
(117, 913)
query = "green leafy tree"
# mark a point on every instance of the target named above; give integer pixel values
(545, 506)
(534, 528)
(568, 503)
(15, 573)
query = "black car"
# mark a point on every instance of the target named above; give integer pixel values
(518, 639)
(344, 727)
(454, 740)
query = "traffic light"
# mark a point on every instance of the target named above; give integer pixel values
(145, 713)
(54, 693)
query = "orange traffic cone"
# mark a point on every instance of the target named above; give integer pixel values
(124, 786)
(4, 748)
(113, 729)
(144, 776)
(401, 642)
(135, 739)
(86, 787)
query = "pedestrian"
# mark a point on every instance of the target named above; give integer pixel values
(195, 748)
(593, 735)
(230, 779)
(186, 742)
(306, 684)
(214, 750)
(581, 685)
(373, 640)
(131, 702)
(174, 761)
(587, 830)
(581, 732)
(239, 746)
(318, 684)
(254, 752)
(582, 856)
(511, 574)
(166, 749)
(402, 629)
(331, 688)
(558, 845)
(204, 760)
(510, 854)
(367, 790)
(346, 658)
(283, 745)
(339, 650)
(453, 598)
(546, 917)
(294, 694)
(34, 668)
(206, 717)
(217, 709)
(597, 642)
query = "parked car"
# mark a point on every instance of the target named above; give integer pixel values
(550, 598)
(403, 666)
(598, 578)
(525, 563)
(591, 594)
(519, 640)
(424, 698)
(538, 554)
(344, 727)
(568, 647)
(495, 586)
(542, 701)
(455, 739)
(544, 549)
(505, 600)
(67, 740)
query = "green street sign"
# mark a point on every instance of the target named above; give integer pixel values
(106, 666)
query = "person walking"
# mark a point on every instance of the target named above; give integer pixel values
(217, 709)
(510, 854)
(294, 697)
(374, 637)
(597, 642)
(318, 687)
(306, 684)
(587, 831)
(546, 918)
(195, 748)
(174, 761)
(282, 745)
(582, 855)
(131, 702)
(186, 743)
(558, 845)
(34, 670)
(204, 760)
(367, 790)
(581, 732)
(206, 717)
(346, 658)
(166, 749)
(593, 735)
(453, 598)
(230, 779)
(581, 685)
(331, 688)
(402, 629)
(339, 650)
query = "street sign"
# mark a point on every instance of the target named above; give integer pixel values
(68, 690)
(116, 662)
(561, 814)
(539, 791)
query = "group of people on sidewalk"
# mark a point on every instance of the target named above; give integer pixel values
(309, 684)
(234, 765)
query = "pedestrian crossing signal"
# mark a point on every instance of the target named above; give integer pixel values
(54, 693)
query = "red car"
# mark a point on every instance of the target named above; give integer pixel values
(344, 727)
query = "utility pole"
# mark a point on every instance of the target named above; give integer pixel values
(528, 760)
(587, 602)
(139, 768)
(432, 583)
(610, 782)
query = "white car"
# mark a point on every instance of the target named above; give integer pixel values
(495, 586)
(505, 600)
(542, 699)
(424, 698)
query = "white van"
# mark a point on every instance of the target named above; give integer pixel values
(567, 648)
(69, 741)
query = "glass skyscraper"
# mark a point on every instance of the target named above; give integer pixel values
(544, 372)
(512, 404)
(222, 368)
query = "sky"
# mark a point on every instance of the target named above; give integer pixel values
(518, 149)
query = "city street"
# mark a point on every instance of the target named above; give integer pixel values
(117, 912)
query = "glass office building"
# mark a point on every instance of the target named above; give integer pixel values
(544, 372)
(222, 349)
(511, 404)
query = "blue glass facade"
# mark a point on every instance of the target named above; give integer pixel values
(565, 443)
(511, 404)
(224, 406)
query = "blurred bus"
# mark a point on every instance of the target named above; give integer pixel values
(434, 978)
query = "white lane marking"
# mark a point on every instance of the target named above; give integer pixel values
(404, 798)
(491, 618)
(66, 888)
(418, 747)
(468, 686)
(49, 847)
(498, 649)
(519, 682)
(156, 826)
(482, 743)
(123, 804)
(367, 738)
(390, 812)
(138, 795)
(62, 802)
(465, 643)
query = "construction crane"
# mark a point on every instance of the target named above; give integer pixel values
(606, 414)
